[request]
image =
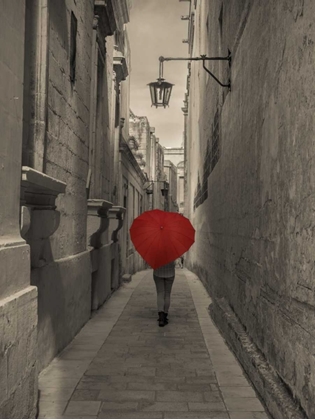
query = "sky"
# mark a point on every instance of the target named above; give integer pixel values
(156, 29)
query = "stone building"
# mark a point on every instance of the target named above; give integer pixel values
(180, 186)
(135, 200)
(18, 299)
(174, 154)
(65, 175)
(152, 160)
(177, 156)
(250, 188)
(171, 179)
(139, 128)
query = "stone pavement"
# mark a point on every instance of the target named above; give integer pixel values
(123, 365)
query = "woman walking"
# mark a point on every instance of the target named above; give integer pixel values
(164, 278)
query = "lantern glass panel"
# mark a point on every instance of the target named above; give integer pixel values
(153, 93)
(160, 93)
(168, 91)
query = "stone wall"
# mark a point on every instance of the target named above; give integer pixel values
(58, 145)
(68, 121)
(250, 182)
(174, 154)
(135, 205)
(48, 110)
(139, 127)
(18, 300)
(170, 171)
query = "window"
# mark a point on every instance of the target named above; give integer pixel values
(73, 46)
(215, 152)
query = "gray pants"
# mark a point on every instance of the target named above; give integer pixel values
(163, 290)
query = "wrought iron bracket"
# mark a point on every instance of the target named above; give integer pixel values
(228, 58)
(203, 58)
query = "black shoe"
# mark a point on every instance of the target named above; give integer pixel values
(165, 318)
(161, 319)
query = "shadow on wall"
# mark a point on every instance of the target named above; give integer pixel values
(64, 287)
(64, 303)
(63, 280)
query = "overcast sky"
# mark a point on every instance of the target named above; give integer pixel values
(156, 29)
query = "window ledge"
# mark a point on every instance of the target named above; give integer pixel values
(117, 212)
(98, 207)
(39, 190)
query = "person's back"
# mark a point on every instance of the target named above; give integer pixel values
(165, 271)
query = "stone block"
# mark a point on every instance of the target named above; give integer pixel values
(83, 408)
(184, 396)
(165, 406)
(14, 263)
(198, 415)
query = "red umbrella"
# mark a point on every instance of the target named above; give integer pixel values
(160, 236)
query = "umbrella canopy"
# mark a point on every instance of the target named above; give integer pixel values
(160, 236)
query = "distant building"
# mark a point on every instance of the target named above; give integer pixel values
(176, 156)
(150, 155)
(180, 186)
(171, 178)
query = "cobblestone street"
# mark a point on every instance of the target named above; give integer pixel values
(123, 365)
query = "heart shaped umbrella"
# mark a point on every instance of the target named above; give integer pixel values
(160, 236)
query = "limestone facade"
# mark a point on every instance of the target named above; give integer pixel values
(250, 188)
(174, 154)
(18, 299)
(150, 155)
(65, 96)
(180, 186)
(170, 171)
(177, 156)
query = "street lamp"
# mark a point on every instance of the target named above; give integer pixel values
(161, 90)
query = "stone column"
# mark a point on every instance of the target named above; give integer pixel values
(18, 300)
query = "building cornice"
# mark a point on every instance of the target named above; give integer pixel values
(107, 23)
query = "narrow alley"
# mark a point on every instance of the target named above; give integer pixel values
(140, 135)
(122, 365)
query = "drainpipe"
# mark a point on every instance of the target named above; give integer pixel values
(93, 105)
(38, 126)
